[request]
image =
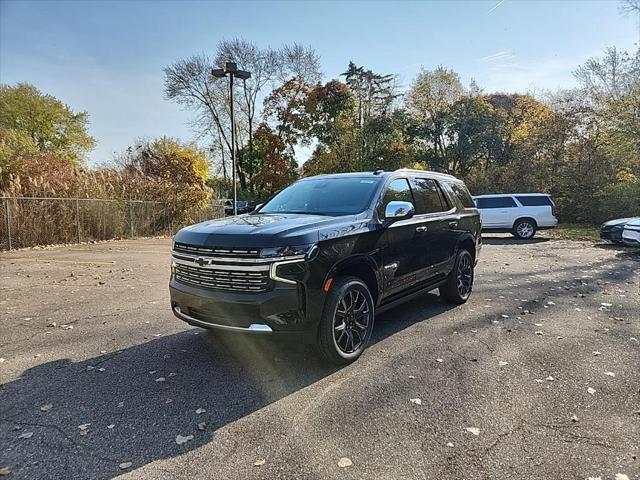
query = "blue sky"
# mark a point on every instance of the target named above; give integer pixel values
(106, 57)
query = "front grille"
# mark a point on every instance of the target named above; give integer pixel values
(217, 251)
(225, 280)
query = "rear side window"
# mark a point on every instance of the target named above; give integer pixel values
(463, 195)
(535, 201)
(495, 202)
(429, 196)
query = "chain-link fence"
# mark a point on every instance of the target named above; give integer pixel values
(30, 221)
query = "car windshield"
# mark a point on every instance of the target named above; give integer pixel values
(324, 196)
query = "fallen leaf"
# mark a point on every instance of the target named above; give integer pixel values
(180, 439)
(417, 401)
(2, 359)
(202, 426)
(574, 418)
(539, 332)
(160, 379)
(449, 444)
(591, 391)
(125, 465)
(606, 304)
(259, 462)
(439, 360)
(549, 379)
(610, 374)
(46, 408)
(200, 410)
(502, 364)
(344, 462)
(621, 476)
(596, 353)
(4, 471)
(473, 430)
(26, 435)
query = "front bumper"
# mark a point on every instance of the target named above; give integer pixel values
(279, 312)
(631, 237)
(613, 235)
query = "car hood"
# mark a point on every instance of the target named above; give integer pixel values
(634, 222)
(268, 230)
(619, 221)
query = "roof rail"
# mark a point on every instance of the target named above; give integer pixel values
(431, 172)
(378, 171)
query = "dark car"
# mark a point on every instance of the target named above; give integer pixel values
(242, 206)
(612, 230)
(317, 260)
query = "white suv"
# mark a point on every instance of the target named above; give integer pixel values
(631, 233)
(518, 213)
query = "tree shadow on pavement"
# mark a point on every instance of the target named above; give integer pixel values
(510, 240)
(132, 404)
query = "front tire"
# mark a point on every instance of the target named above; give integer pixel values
(460, 281)
(347, 321)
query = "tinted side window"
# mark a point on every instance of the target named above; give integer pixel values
(496, 202)
(535, 201)
(397, 191)
(463, 195)
(429, 197)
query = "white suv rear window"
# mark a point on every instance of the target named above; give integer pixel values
(535, 201)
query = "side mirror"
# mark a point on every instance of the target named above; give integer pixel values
(399, 210)
(258, 207)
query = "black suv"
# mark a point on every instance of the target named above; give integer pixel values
(317, 260)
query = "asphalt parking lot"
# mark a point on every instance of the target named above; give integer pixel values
(536, 377)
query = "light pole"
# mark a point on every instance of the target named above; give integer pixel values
(231, 69)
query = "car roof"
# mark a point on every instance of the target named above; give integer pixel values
(512, 195)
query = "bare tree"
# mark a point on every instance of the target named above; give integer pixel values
(189, 83)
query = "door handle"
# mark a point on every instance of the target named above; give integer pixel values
(453, 224)
(421, 229)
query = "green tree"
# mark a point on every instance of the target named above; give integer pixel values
(430, 99)
(49, 125)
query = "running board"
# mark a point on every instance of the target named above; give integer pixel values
(401, 300)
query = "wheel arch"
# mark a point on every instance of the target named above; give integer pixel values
(362, 267)
(467, 242)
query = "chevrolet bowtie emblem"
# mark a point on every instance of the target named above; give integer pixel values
(201, 261)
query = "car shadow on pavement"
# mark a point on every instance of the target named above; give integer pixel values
(157, 400)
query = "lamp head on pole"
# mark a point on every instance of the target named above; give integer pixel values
(218, 73)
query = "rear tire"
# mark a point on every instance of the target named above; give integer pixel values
(460, 280)
(524, 229)
(347, 321)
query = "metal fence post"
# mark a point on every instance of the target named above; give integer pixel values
(131, 230)
(7, 219)
(78, 219)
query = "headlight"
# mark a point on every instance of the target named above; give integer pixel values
(288, 251)
(293, 266)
